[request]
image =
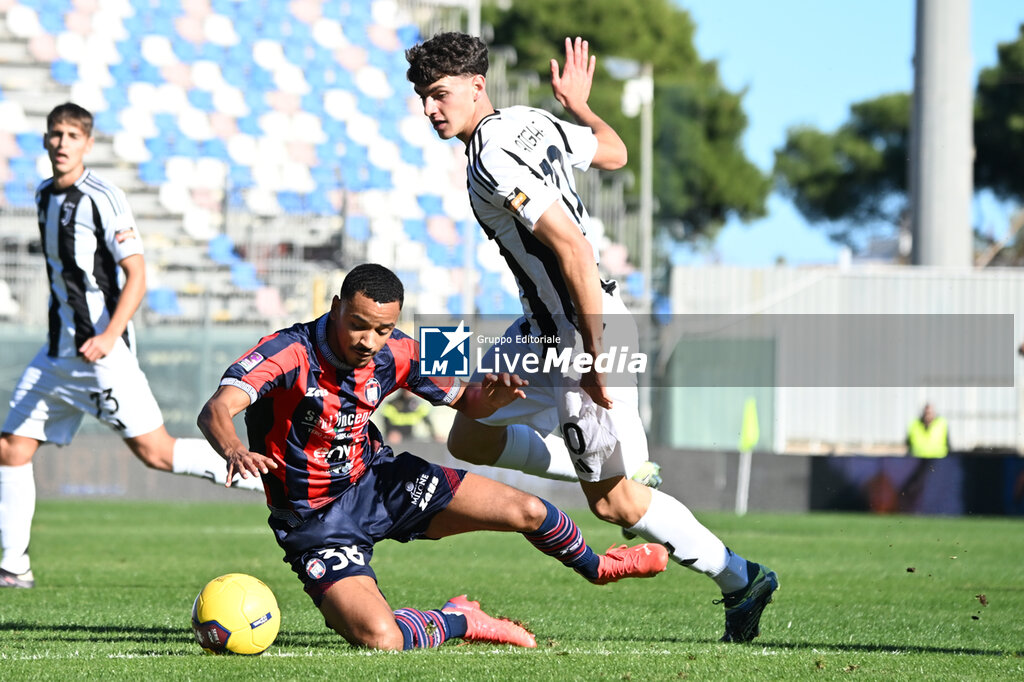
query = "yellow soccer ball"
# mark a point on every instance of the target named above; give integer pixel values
(235, 613)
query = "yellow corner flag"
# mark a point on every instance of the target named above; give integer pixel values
(750, 432)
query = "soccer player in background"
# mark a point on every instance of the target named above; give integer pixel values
(522, 191)
(97, 274)
(334, 489)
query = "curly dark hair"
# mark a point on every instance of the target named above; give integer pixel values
(446, 54)
(69, 111)
(375, 282)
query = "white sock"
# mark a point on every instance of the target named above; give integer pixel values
(17, 506)
(526, 451)
(195, 457)
(668, 522)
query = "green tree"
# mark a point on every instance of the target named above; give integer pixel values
(701, 174)
(999, 123)
(856, 178)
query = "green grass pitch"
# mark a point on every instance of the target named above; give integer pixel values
(862, 597)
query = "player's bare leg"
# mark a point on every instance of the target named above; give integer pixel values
(355, 609)
(154, 449)
(476, 443)
(617, 500)
(190, 456)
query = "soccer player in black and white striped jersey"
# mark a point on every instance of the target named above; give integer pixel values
(97, 276)
(522, 191)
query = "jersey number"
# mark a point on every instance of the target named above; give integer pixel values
(106, 407)
(556, 170)
(351, 555)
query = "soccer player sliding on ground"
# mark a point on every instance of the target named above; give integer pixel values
(334, 489)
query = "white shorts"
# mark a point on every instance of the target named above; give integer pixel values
(602, 443)
(54, 394)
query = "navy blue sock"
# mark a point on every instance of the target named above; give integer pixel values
(428, 629)
(560, 537)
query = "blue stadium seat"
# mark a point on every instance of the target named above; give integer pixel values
(236, 198)
(185, 50)
(291, 202)
(408, 35)
(222, 250)
(29, 143)
(201, 99)
(240, 177)
(635, 283)
(163, 302)
(215, 149)
(250, 124)
(183, 145)
(243, 276)
(431, 204)
(153, 172)
(454, 304)
(19, 195)
(379, 178)
(24, 167)
(416, 229)
(411, 155)
(107, 121)
(64, 72)
(357, 227)
(52, 21)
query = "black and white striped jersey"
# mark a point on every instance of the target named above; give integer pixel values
(520, 163)
(86, 231)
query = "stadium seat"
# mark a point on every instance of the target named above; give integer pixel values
(222, 250)
(163, 302)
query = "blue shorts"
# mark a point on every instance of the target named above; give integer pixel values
(395, 499)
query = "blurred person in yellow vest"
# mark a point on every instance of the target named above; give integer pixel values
(928, 435)
(403, 414)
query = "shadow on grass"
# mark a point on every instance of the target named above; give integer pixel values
(70, 632)
(882, 648)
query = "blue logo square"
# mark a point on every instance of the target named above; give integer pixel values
(444, 351)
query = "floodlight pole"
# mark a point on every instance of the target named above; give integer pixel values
(647, 183)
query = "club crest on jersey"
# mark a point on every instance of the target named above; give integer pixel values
(67, 209)
(315, 569)
(250, 361)
(517, 200)
(372, 391)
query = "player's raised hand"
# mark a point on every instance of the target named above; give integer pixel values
(498, 390)
(245, 463)
(572, 86)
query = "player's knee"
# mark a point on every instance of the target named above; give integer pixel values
(530, 513)
(13, 453)
(617, 511)
(152, 457)
(473, 443)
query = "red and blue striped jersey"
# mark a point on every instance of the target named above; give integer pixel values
(310, 412)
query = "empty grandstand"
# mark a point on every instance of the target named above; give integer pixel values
(265, 146)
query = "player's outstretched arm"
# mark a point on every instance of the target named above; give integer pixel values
(496, 391)
(215, 423)
(572, 89)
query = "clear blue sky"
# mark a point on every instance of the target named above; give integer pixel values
(806, 62)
